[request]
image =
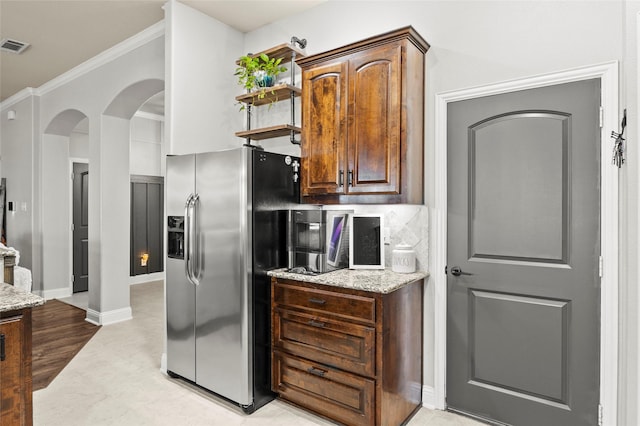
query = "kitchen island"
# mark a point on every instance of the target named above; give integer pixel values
(15, 355)
(347, 344)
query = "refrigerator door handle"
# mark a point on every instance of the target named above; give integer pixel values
(195, 249)
(188, 237)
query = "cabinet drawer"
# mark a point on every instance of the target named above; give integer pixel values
(347, 306)
(341, 396)
(338, 344)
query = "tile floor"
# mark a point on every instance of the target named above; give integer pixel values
(116, 380)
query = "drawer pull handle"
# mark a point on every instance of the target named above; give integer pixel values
(316, 372)
(316, 323)
(3, 355)
(317, 301)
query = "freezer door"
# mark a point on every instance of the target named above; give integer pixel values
(181, 294)
(223, 297)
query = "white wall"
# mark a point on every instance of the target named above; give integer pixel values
(79, 140)
(56, 222)
(16, 138)
(146, 152)
(475, 43)
(200, 98)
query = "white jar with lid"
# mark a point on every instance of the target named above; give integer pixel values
(403, 259)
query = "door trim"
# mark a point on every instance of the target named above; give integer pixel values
(608, 75)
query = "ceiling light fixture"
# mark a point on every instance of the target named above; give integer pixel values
(13, 46)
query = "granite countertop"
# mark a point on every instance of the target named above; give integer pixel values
(375, 280)
(12, 299)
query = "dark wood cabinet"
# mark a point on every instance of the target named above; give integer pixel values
(352, 356)
(15, 368)
(363, 121)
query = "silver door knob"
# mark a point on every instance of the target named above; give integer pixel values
(457, 271)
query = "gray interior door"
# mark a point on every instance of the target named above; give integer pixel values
(523, 256)
(80, 227)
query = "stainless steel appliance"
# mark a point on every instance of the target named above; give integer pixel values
(318, 239)
(226, 217)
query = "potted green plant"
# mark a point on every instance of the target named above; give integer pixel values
(257, 73)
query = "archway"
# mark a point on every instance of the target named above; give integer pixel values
(59, 145)
(110, 207)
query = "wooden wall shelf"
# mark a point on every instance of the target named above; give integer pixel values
(284, 51)
(277, 93)
(269, 132)
(282, 92)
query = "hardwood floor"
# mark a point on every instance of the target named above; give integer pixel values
(59, 332)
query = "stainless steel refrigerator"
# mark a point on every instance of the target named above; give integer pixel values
(226, 226)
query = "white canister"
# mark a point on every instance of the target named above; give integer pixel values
(403, 259)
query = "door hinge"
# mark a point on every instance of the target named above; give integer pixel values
(72, 176)
(601, 116)
(73, 227)
(600, 266)
(600, 414)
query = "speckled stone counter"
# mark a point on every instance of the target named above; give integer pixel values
(374, 280)
(12, 299)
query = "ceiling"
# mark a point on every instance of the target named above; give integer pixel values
(64, 34)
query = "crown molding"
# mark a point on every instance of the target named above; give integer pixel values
(143, 37)
(21, 95)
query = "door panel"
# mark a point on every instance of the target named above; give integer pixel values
(80, 227)
(502, 348)
(374, 136)
(516, 211)
(523, 219)
(324, 107)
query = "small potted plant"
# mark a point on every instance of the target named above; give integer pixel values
(257, 73)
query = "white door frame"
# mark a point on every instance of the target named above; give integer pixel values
(608, 75)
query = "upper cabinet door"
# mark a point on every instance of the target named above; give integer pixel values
(324, 106)
(374, 121)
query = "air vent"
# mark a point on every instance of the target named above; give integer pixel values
(14, 46)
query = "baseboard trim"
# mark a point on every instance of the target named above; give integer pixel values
(428, 397)
(109, 317)
(56, 293)
(163, 363)
(145, 278)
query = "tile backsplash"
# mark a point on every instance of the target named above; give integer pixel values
(407, 224)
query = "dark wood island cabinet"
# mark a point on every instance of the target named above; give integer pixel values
(350, 355)
(15, 368)
(15, 356)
